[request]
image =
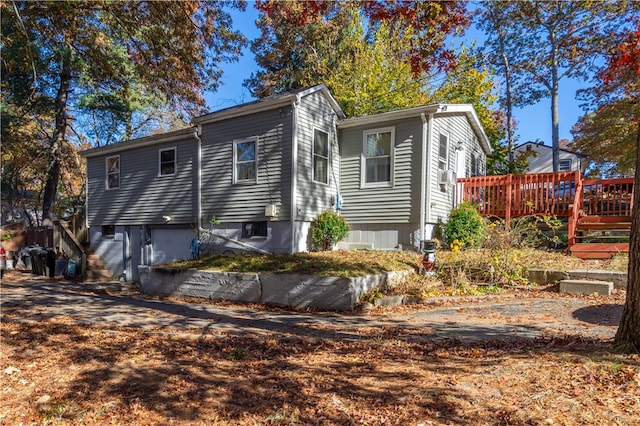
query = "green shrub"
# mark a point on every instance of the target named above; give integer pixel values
(465, 225)
(327, 229)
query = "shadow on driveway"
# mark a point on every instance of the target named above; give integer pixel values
(600, 314)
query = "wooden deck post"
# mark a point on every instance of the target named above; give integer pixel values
(508, 190)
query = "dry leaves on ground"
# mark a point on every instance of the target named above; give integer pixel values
(54, 372)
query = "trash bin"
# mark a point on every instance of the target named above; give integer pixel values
(50, 262)
(26, 258)
(37, 262)
(72, 268)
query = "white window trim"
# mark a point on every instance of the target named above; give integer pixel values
(235, 156)
(363, 159)
(313, 157)
(175, 161)
(106, 177)
(440, 158)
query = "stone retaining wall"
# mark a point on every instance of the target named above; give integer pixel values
(298, 291)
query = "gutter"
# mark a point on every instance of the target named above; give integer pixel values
(294, 170)
(196, 134)
(428, 163)
(423, 176)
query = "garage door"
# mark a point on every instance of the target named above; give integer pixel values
(171, 244)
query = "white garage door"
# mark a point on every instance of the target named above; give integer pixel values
(171, 244)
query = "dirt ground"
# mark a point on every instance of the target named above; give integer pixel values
(81, 355)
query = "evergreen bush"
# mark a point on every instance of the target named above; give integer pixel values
(327, 229)
(465, 226)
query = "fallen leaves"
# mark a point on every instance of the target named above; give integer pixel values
(88, 375)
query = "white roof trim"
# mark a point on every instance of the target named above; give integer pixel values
(145, 141)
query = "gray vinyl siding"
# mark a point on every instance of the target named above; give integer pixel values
(313, 198)
(396, 204)
(143, 196)
(459, 130)
(243, 202)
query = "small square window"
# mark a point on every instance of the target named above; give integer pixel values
(108, 231)
(167, 164)
(254, 229)
(565, 166)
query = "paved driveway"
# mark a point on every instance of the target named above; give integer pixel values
(31, 298)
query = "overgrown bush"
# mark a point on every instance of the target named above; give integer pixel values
(327, 229)
(465, 226)
(505, 244)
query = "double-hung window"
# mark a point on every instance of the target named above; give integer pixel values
(443, 152)
(113, 172)
(377, 157)
(320, 156)
(245, 164)
(167, 162)
(475, 164)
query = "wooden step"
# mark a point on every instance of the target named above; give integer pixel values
(598, 250)
(604, 222)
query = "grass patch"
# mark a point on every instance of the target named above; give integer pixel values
(353, 263)
(338, 263)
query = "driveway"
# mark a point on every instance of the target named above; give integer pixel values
(26, 297)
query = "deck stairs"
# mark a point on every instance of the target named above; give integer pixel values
(601, 237)
(96, 270)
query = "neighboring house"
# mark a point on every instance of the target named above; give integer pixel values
(259, 173)
(541, 160)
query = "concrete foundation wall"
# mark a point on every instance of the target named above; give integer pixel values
(298, 291)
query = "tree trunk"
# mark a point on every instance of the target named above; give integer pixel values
(55, 145)
(629, 330)
(555, 116)
(554, 89)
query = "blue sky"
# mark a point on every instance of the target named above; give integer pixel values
(534, 122)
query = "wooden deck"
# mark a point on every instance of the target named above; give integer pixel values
(598, 211)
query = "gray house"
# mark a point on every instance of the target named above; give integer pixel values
(256, 175)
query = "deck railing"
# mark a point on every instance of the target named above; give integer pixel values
(563, 194)
(510, 196)
(608, 197)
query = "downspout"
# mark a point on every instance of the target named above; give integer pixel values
(423, 178)
(427, 161)
(86, 200)
(197, 134)
(294, 170)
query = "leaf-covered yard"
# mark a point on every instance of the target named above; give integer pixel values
(57, 373)
(61, 369)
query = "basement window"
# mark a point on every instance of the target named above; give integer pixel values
(254, 229)
(108, 231)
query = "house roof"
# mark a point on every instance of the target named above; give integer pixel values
(436, 109)
(145, 141)
(269, 103)
(542, 145)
